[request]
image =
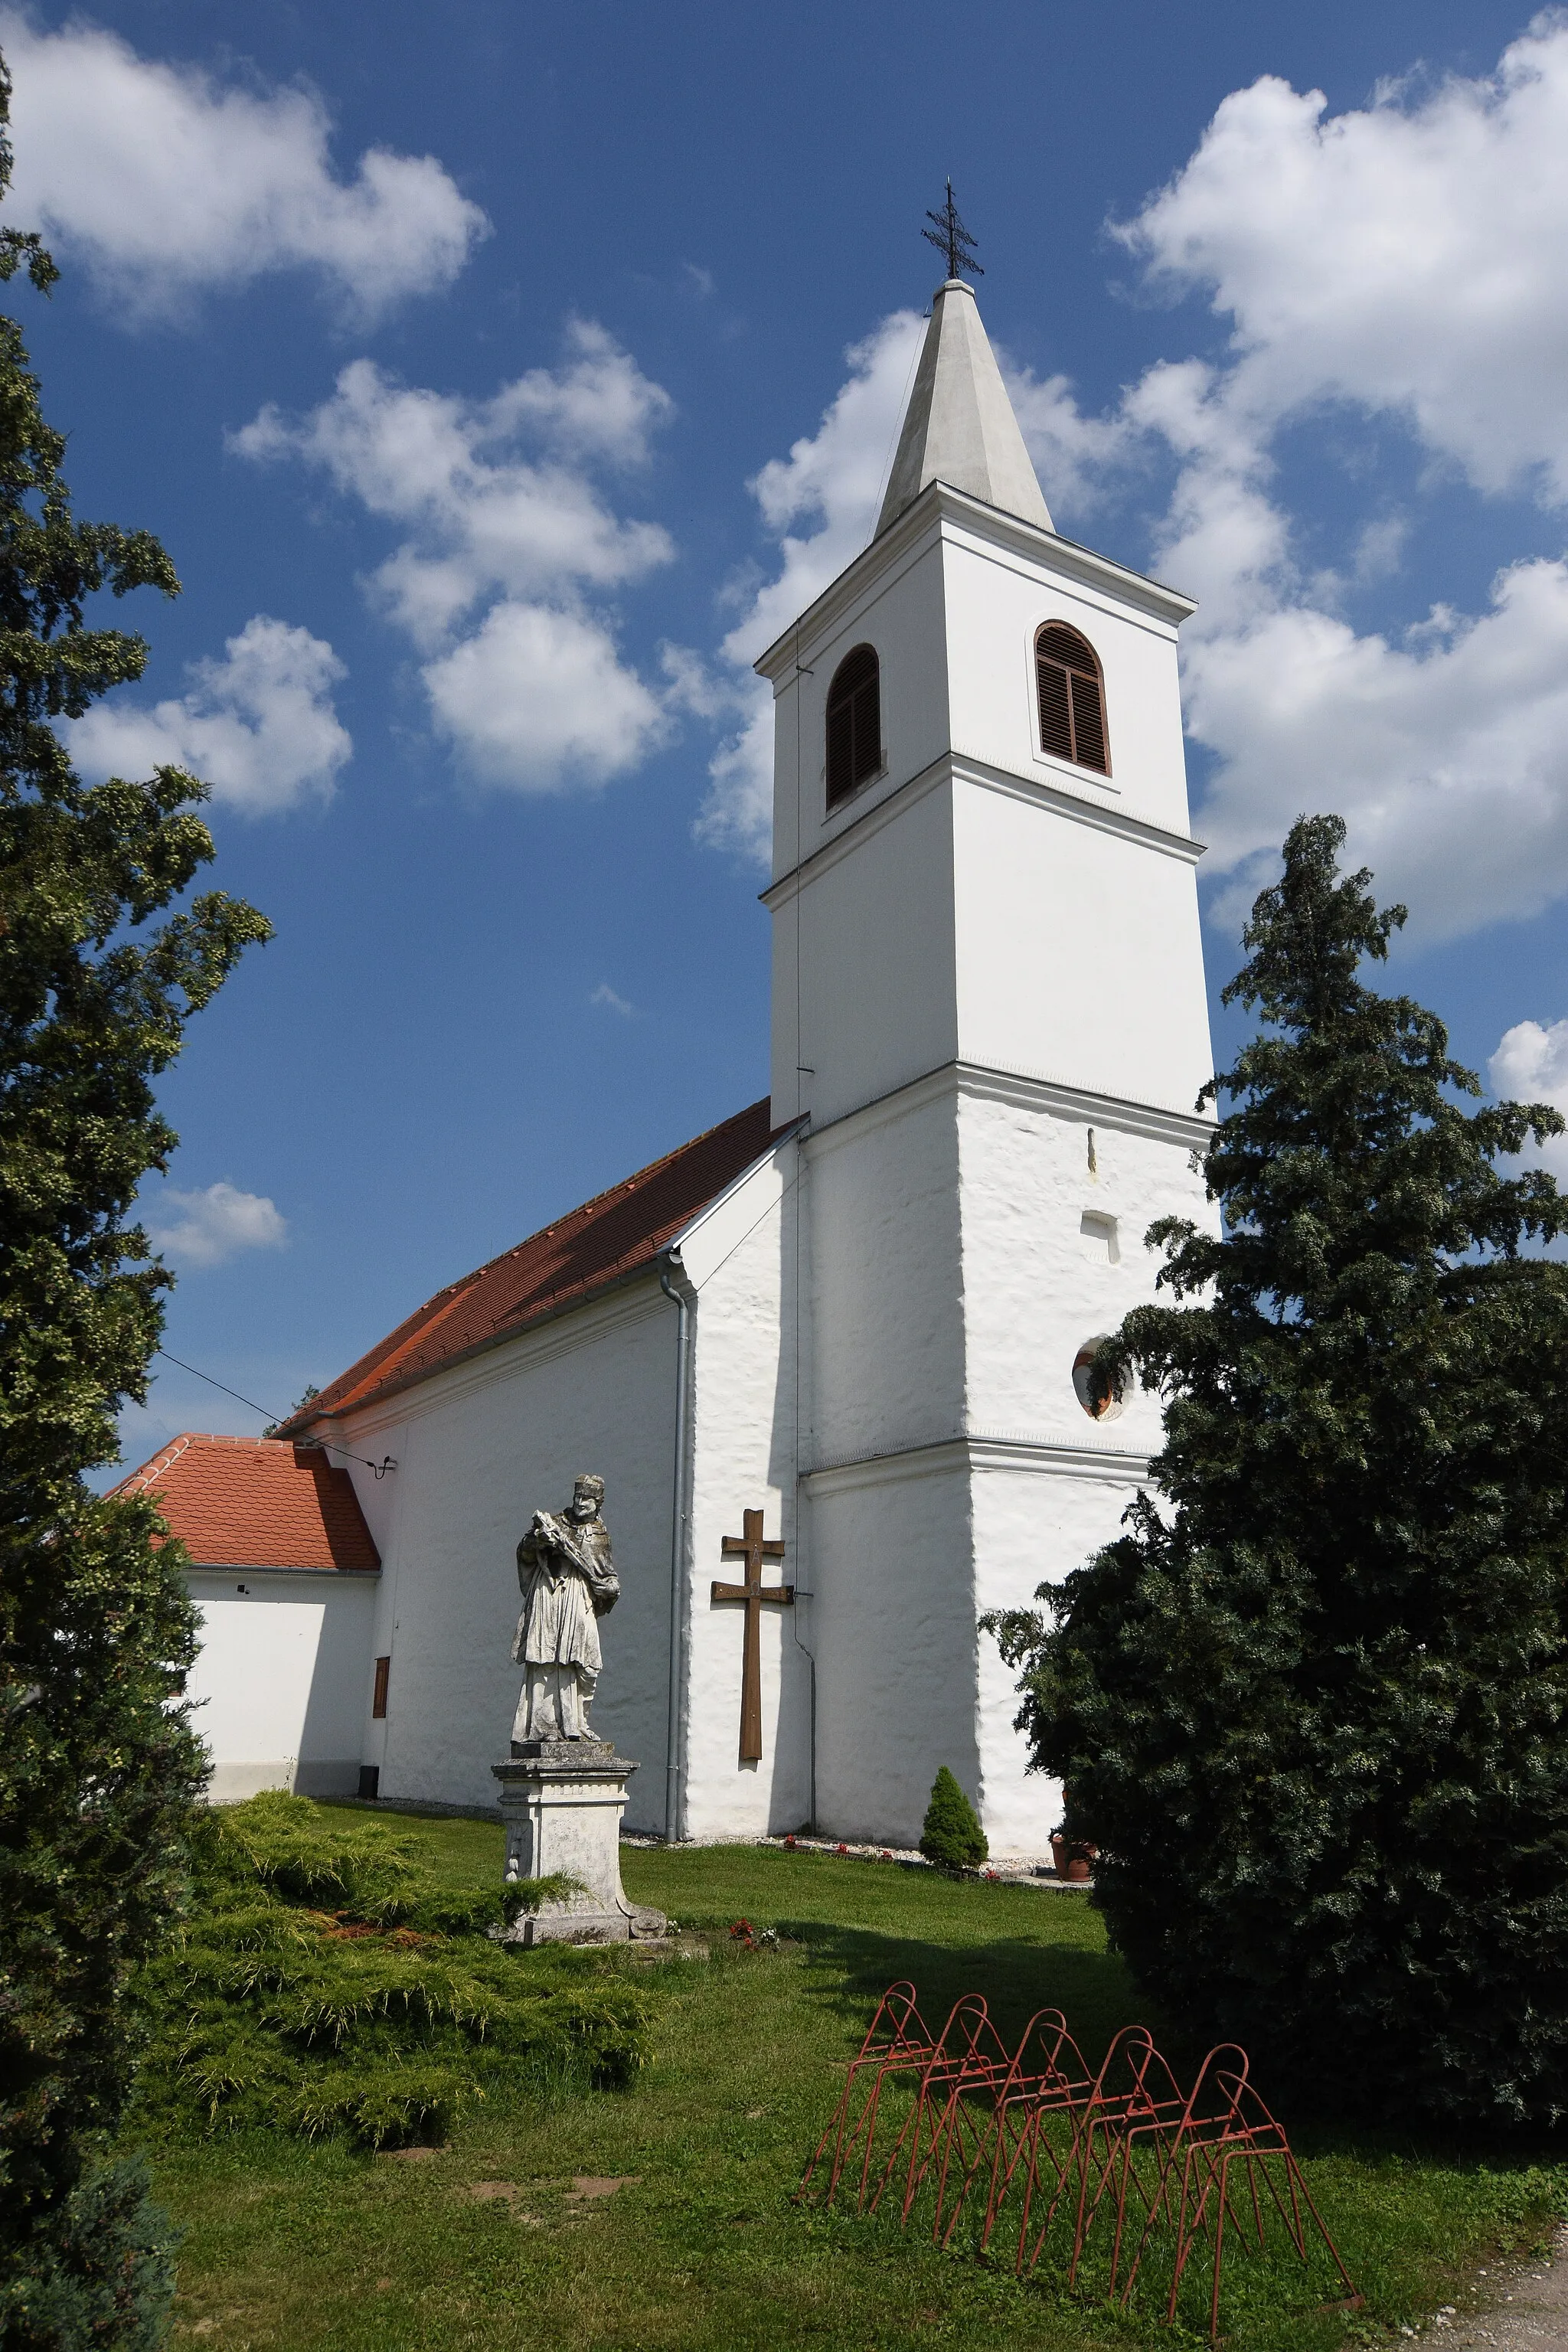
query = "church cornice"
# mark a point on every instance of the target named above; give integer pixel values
(1024, 1090)
(938, 506)
(979, 1450)
(955, 766)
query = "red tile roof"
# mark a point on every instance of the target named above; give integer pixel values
(582, 1254)
(250, 1502)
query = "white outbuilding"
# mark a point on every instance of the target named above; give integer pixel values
(863, 1307)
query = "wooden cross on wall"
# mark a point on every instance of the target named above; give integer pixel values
(753, 1550)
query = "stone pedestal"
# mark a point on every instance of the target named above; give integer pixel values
(562, 1801)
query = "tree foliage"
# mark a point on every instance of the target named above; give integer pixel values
(99, 1769)
(1312, 1703)
(951, 1835)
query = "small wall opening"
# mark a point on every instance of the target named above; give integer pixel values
(1110, 1408)
(1097, 1238)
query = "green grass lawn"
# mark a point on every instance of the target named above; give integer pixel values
(495, 2242)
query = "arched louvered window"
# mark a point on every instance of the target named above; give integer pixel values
(854, 723)
(1072, 698)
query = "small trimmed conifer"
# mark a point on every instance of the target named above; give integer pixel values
(99, 1770)
(952, 1836)
(1313, 1705)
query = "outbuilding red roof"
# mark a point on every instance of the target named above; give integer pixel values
(582, 1254)
(252, 1501)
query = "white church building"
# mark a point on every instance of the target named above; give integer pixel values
(861, 1308)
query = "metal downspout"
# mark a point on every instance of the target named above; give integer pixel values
(673, 1761)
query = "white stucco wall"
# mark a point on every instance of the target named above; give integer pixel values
(479, 1448)
(747, 1392)
(894, 602)
(1050, 1484)
(1036, 1517)
(952, 1468)
(896, 1638)
(887, 1332)
(998, 596)
(1078, 951)
(864, 996)
(983, 956)
(281, 1681)
(1054, 1255)
(980, 897)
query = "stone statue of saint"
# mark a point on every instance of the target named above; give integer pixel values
(568, 1580)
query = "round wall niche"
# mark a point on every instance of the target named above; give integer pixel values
(1112, 1407)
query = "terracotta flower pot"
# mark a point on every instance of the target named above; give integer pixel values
(1073, 1861)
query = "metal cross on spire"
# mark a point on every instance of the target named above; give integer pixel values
(949, 237)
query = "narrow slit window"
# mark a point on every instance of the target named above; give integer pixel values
(854, 723)
(383, 1676)
(1072, 698)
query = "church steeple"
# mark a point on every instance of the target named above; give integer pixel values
(960, 428)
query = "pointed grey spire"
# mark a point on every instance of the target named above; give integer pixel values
(959, 426)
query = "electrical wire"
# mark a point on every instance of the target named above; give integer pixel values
(379, 1468)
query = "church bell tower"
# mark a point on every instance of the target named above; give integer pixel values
(989, 1012)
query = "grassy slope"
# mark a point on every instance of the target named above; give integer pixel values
(485, 2244)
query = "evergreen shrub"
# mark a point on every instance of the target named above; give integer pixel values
(952, 1836)
(326, 1981)
(1312, 1704)
(104, 2273)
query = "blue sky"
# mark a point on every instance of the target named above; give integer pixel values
(500, 379)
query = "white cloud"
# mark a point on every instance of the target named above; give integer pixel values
(820, 503)
(832, 481)
(483, 518)
(259, 726)
(508, 539)
(204, 1227)
(167, 181)
(1073, 454)
(1449, 751)
(1406, 256)
(1404, 260)
(606, 995)
(1531, 1064)
(539, 699)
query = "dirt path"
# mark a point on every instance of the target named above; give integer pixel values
(1528, 2313)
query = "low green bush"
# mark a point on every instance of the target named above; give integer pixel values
(952, 1836)
(326, 1981)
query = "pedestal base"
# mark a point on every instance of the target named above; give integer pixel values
(561, 1802)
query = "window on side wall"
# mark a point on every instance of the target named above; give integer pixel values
(854, 723)
(1072, 698)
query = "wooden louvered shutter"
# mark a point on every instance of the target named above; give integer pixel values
(868, 708)
(1072, 701)
(840, 752)
(1087, 723)
(1056, 710)
(854, 723)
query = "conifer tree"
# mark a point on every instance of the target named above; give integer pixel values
(99, 1769)
(1313, 1705)
(950, 1834)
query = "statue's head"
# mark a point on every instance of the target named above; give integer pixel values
(587, 1493)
